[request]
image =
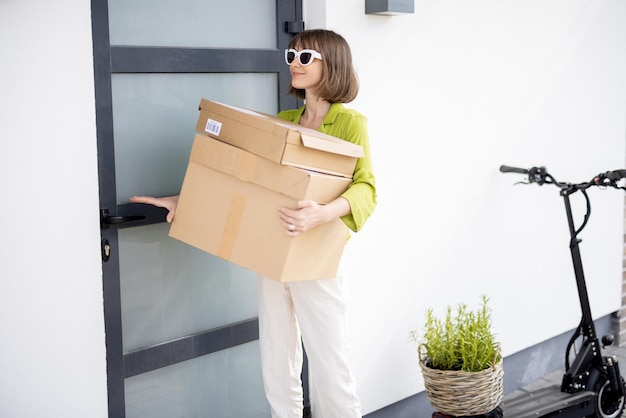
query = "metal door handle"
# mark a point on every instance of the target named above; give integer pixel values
(106, 219)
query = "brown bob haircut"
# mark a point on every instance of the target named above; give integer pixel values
(339, 81)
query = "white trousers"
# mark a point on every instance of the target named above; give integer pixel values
(314, 313)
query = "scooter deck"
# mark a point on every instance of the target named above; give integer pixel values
(548, 401)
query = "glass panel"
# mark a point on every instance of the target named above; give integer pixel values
(154, 120)
(195, 23)
(226, 384)
(169, 289)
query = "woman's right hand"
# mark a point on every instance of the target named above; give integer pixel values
(167, 202)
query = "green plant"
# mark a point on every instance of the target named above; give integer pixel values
(463, 340)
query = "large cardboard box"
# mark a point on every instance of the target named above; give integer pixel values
(228, 207)
(278, 140)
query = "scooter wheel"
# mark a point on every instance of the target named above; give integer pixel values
(608, 404)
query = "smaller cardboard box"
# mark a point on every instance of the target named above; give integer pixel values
(278, 140)
(228, 206)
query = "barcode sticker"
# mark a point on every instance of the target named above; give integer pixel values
(213, 127)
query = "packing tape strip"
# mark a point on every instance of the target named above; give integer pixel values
(231, 229)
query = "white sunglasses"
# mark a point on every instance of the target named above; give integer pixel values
(306, 56)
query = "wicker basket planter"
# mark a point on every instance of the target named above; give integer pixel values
(461, 361)
(460, 393)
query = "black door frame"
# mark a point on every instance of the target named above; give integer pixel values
(110, 59)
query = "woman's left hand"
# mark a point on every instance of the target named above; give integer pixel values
(307, 214)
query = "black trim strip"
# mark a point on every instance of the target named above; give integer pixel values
(131, 59)
(106, 181)
(187, 348)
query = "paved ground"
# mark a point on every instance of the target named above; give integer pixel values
(544, 395)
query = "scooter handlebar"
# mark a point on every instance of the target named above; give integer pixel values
(537, 175)
(614, 175)
(610, 178)
(540, 176)
(509, 169)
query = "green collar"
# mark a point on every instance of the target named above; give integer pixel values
(329, 119)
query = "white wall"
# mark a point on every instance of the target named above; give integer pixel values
(52, 353)
(452, 92)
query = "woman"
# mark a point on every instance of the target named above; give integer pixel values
(313, 312)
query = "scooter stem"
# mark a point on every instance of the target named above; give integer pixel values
(575, 377)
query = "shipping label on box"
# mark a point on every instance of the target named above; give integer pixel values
(228, 207)
(278, 140)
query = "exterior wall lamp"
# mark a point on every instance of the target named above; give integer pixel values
(389, 7)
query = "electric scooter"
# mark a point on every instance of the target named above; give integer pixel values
(592, 385)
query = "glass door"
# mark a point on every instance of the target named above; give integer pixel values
(181, 326)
